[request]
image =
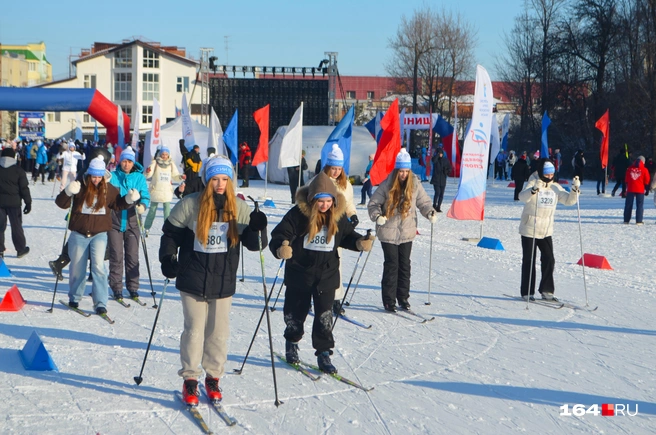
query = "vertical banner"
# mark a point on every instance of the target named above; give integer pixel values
(121, 128)
(292, 142)
(135, 131)
(469, 203)
(78, 127)
(155, 139)
(187, 127)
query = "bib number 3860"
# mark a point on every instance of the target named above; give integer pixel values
(319, 242)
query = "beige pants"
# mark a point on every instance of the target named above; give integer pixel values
(204, 340)
(339, 292)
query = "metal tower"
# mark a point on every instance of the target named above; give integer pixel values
(204, 78)
(330, 63)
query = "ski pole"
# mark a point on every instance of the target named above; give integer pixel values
(361, 271)
(257, 328)
(242, 263)
(351, 280)
(430, 266)
(145, 250)
(54, 293)
(139, 379)
(585, 286)
(52, 195)
(278, 402)
(273, 307)
(530, 272)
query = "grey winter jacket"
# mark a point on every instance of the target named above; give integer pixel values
(398, 230)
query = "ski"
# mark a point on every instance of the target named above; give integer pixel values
(355, 322)
(298, 367)
(216, 404)
(77, 310)
(543, 302)
(337, 377)
(424, 318)
(122, 302)
(137, 300)
(413, 318)
(104, 316)
(193, 410)
(579, 307)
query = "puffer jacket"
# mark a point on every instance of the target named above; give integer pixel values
(398, 230)
(13, 184)
(124, 182)
(162, 173)
(210, 276)
(309, 268)
(538, 218)
(42, 155)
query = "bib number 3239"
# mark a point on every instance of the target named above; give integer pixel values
(216, 240)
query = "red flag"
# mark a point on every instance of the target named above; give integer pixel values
(262, 119)
(388, 146)
(603, 124)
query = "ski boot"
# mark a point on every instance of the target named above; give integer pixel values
(291, 352)
(404, 304)
(101, 310)
(338, 310)
(212, 389)
(390, 307)
(190, 392)
(323, 361)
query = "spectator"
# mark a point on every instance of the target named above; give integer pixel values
(14, 188)
(637, 178)
(578, 162)
(245, 159)
(621, 163)
(441, 170)
(520, 173)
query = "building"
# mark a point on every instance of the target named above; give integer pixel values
(131, 74)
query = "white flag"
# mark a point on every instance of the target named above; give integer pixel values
(292, 141)
(215, 139)
(135, 130)
(187, 128)
(155, 139)
(78, 127)
(495, 143)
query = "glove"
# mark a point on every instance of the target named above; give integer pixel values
(432, 216)
(258, 221)
(354, 220)
(181, 141)
(28, 208)
(576, 182)
(169, 266)
(285, 251)
(73, 188)
(365, 244)
(535, 190)
(381, 220)
(132, 196)
(140, 208)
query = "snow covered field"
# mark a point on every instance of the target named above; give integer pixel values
(485, 365)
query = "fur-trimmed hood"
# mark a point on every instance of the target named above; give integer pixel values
(304, 205)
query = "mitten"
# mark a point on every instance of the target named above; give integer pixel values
(28, 208)
(364, 243)
(381, 220)
(258, 221)
(169, 266)
(354, 220)
(141, 209)
(432, 216)
(73, 188)
(132, 196)
(285, 251)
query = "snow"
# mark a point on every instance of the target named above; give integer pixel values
(485, 365)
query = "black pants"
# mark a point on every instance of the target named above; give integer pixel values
(293, 174)
(439, 196)
(245, 174)
(621, 182)
(296, 308)
(601, 183)
(396, 272)
(366, 190)
(16, 222)
(519, 186)
(124, 252)
(547, 263)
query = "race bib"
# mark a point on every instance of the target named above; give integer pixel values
(165, 177)
(546, 198)
(90, 210)
(319, 242)
(217, 240)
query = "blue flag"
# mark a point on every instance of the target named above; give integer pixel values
(544, 150)
(341, 135)
(95, 133)
(442, 127)
(230, 138)
(373, 126)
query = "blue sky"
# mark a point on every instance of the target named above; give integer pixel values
(261, 32)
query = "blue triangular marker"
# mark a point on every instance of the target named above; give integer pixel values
(489, 243)
(4, 270)
(34, 355)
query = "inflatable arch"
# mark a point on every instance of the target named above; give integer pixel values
(67, 100)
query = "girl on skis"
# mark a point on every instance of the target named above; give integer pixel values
(200, 247)
(394, 209)
(162, 173)
(89, 221)
(308, 237)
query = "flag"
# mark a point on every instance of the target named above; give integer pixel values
(215, 139)
(230, 138)
(505, 126)
(121, 129)
(262, 153)
(469, 203)
(177, 111)
(155, 139)
(292, 141)
(544, 149)
(373, 126)
(135, 131)
(341, 135)
(603, 124)
(95, 132)
(78, 127)
(388, 147)
(187, 125)
(449, 140)
(494, 138)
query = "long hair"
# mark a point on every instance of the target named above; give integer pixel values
(207, 214)
(400, 195)
(317, 220)
(91, 193)
(341, 180)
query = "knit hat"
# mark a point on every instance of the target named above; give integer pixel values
(403, 160)
(127, 154)
(548, 168)
(642, 158)
(321, 187)
(335, 157)
(71, 145)
(216, 165)
(164, 149)
(8, 152)
(96, 167)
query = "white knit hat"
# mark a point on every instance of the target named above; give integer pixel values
(335, 157)
(96, 167)
(128, 154)
(403, 160)
(215, 165)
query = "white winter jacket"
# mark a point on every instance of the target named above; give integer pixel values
(538, 213)
(70, 159)
(162, 174)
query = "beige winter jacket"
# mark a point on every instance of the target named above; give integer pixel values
(161, 189)
(543, 202)
(398, 230)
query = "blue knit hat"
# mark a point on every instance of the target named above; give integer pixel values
(96, 167)
(164, 149)
(127, 154)
(216, 165)
(548, 168)
(403, 160)
(335, 157)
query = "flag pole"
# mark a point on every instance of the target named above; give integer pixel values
(300, 160)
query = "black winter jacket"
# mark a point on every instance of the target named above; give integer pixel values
(520, 171)
(306, 268)
(211, 276)
(441, 170)
(13, 184)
